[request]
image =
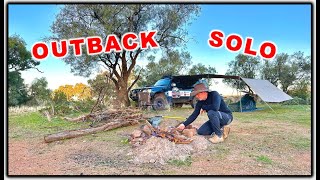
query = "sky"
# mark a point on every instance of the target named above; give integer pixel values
(286, 25)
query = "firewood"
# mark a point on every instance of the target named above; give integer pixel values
(82, 132)
(189, 132)
(136, 133)
(146, 130)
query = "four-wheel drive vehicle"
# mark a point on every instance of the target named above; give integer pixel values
(171, 91)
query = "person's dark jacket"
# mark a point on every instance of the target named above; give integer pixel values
(213, 102)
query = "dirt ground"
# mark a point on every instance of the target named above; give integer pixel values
(100, 154)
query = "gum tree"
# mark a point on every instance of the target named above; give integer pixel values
(83, 20)
(174, 63)
(244, 66)
(287, 70)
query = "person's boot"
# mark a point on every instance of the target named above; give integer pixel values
(226, 131)
(216, 139)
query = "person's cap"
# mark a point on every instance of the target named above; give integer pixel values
(199, 88)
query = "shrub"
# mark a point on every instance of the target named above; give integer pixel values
(297, 101)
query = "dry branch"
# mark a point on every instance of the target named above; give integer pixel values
(82, 132)
(111, 118)
(47, 115)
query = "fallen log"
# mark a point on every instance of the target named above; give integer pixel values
(82, 132)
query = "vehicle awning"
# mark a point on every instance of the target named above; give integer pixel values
(266, 90)
(263, 88)
(190, 80)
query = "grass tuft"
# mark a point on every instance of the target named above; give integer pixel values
(177, 162)
(264, 159)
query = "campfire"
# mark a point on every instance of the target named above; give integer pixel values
(140, 136)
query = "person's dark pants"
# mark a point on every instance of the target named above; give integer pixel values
(217, 120)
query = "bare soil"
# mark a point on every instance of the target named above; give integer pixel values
(252, 148)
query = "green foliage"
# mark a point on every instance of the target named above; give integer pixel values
(58, 109)
(59, 105)
(264, 159)
(269, 72)
(19, 58)
(177, 162)
(83, 20)
(202, 69)
(304, 65)
(297, 101)
(172, 63)
(17, 91)
(82, 106)
(40, 93)
(244, 66)
(287, 70)
(59, 97)
(301, 90)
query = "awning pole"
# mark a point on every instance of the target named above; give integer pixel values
(269, 106)
(240, 96)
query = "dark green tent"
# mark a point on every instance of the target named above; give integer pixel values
(246, 103)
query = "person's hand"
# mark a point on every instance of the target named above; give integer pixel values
(202, 111)
(181, 127)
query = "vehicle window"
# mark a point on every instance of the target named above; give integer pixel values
(162, 82)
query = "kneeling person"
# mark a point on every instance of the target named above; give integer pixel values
(217, 110)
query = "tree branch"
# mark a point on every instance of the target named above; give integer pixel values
(134, 82)
(134, 59)
(38, 70)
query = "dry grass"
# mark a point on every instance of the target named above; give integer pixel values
(23, 109)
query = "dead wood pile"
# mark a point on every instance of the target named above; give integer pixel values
(110, 115)
(109, 119)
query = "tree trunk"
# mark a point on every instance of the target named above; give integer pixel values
(122, 93)
(123, 97)
(120, 79)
